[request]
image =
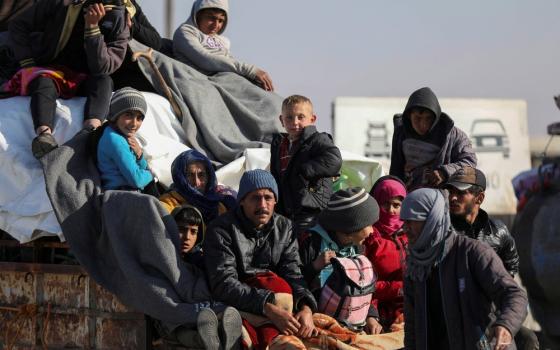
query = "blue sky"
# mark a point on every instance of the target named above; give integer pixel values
(476, 48)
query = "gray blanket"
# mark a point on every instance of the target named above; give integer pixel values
(223, 114)
(125, 240)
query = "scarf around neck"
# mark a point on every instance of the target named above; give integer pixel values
(382, 192)
(431, 206)
(206, 202)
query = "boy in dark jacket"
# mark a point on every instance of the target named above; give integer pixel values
(191, 233)
(427, 148)
(303, 161)
(79, 48)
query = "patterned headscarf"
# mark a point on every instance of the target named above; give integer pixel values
(206, 202)
(431, 206)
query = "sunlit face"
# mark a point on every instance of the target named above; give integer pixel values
(462, 203)
(188, 235)
(413, 230)
(422, 120)
(296, 117)
(393, 205)
(129, 122)
(210, 21)
(258, 206)
(357, 238)
(197, 176)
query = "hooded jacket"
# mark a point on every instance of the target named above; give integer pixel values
(104, 47)
(194, 256)
(444, 147)
(208, 53)
(476, 293)
(235, 251)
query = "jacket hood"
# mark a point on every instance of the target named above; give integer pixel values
(208, 4)
(201, 231)
(424, 98)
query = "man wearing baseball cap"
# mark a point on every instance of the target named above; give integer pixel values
(466, 194)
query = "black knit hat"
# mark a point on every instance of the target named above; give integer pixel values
(349, 211)
(126, 99)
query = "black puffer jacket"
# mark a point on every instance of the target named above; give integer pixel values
(493, 232)
(234, 251)
(306, 185)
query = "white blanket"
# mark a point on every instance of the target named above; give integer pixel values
(25, 211)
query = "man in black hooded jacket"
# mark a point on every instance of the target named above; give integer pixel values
(427, 148)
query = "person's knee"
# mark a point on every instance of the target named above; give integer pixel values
(100, 83)
(44, 86)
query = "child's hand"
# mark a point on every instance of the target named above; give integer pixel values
(323, 259)
(136, 148)
(264, 79)
(373, 326)
(93, 15)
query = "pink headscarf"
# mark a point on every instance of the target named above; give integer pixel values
(384, 191)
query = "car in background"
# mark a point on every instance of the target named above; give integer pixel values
(377, 145)
(489, 135)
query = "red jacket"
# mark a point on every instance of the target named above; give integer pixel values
(387, 254)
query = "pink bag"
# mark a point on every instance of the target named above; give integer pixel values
(348, 291)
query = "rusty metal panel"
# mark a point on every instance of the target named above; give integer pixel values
(17, 330)
(76, 311)
(120, 334)
(106, 301)
(67, 331)
(16, 289)
(66, 290)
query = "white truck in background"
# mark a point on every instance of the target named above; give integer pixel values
(497, 127)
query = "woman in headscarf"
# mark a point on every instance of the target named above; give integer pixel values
(195, 183)
(385, 248)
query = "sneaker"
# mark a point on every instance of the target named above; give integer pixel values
(43, 144)
(230, 329)
(207, 326)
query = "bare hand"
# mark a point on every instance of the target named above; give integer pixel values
(435, 178)
(324, 259)
(136, 148)
(373, 326)
(305, 319)
(128, 20)
(503, 338)
(93, 15)
(282, 319)
(263, 78)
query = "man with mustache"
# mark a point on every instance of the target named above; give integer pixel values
(252, 263)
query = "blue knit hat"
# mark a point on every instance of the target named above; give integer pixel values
(254, 180)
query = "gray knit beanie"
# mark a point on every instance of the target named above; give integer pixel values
(126, 99)
(254, 180)
(349, 210)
